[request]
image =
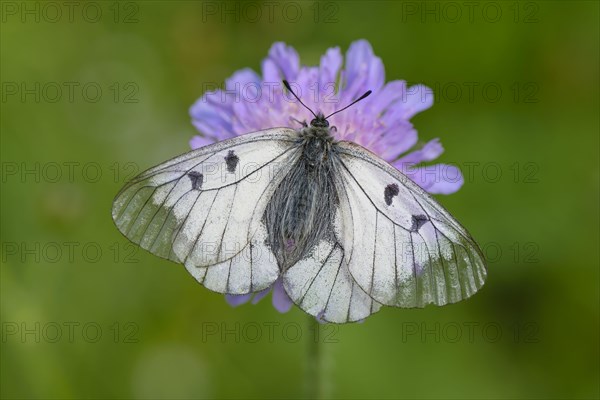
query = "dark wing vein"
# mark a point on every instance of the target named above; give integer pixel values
(334, 280)
(317, 274)
(191, 250)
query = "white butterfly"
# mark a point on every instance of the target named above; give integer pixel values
(345, 230)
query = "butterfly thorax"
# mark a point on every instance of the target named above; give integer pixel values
(300, 213)
(317, 141)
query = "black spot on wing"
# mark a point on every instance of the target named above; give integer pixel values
(417, 222)
(232, 161)
(390, 191)
(197, 178)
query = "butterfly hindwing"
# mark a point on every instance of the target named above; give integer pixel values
(321, 284)
(204, 208)
(405, 249)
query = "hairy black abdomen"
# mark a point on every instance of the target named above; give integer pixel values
(301, 210)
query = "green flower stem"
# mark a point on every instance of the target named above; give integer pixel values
(313, 365)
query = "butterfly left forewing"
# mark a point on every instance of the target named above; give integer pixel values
(406, 250)
(204, 208)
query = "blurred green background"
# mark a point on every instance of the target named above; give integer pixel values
(86, 315)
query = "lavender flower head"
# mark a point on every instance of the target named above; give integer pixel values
(381, 122)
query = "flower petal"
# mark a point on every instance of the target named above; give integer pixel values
(305, 89)
(243, 80)
(243, 89)
(200, 141)
(212, 116)
(364, 71)
(436, 179)
(236, 300)
(400, 137)
(281, 300)
(282, 62)
(417, 99)
(320, 319)
(383, 99)
(260, 295)
(430, 151)
(331, 62)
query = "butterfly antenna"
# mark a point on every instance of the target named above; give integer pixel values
(354, 102)
(287, 85)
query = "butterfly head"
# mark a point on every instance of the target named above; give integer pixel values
(318, 129)
(320, 121)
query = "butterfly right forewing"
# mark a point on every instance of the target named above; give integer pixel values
(405, 249)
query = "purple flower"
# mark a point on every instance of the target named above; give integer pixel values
(281, 301)
(381, 122)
